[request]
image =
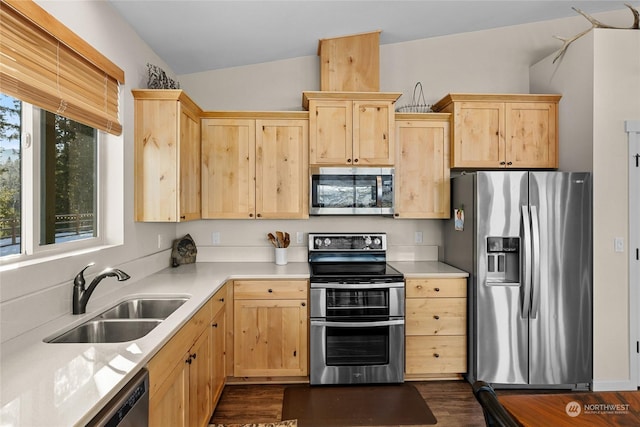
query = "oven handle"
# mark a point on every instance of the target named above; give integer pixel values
(357, 324)
(363, 285)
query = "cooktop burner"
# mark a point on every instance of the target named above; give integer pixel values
(355, 272)
(350, 258)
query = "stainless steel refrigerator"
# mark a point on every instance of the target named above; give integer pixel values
(526, 240)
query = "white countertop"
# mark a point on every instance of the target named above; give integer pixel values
(67, 384)
(427, 269)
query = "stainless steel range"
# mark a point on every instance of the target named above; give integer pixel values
(357, 311)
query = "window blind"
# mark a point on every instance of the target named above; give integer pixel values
(44, 63)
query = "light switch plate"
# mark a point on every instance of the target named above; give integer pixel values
(417, 238)
(299, 237)
(618, 244)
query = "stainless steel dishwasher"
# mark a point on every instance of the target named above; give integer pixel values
(129, 408)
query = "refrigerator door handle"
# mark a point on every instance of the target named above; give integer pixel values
(526, 265)
(535, 256)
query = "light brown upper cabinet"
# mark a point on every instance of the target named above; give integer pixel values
(255, 165)
(492, 131)
(351, 128)
(167, 156)
(422, 166)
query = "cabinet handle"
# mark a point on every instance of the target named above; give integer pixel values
(215, 325)
(250, 215)
(183, 217)
(188, 360)
(221, 300)
(348, 160)
(295, 353)
(270, 291)
(419, 287)
(436, 355)
(502, 163)
(194, 356)
(436, 317)
(259, 215)
(437, 289)
(355, 160)
(304, 304)
(509, 163)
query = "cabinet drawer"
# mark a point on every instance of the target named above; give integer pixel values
(436, 288)
(265, 289)
(436, 355)
(217, 301)
(436, 316)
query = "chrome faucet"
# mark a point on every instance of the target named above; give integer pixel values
(81, 296)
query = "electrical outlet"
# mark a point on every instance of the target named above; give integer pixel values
(215, 238)
(417, 237)
(618, 244)
(300, 237)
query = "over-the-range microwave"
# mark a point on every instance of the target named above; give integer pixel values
(351, 191)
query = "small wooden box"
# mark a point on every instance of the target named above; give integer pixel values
(350, 63)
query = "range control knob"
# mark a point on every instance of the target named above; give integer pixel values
(327, 241)
(367, 240)
(377, 241)
(318, 243)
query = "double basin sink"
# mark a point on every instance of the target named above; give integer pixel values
(126, 321)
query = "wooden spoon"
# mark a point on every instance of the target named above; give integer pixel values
(273, 240)
(280, 235)
(287, 240)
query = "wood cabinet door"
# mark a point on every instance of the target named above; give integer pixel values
(218, 334)
(478, 135)
(169, 404)
(200, 402)
(282, 168)
(422, 169)
(156, 160)
(228, 168)
(330, 132)
(270, 338)
(190, 197)
(532, 139)
(373, 133)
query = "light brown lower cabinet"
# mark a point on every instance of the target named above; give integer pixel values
(186, 376)
(270, 328)
(435, 331)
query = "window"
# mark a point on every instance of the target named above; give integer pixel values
(49, 183)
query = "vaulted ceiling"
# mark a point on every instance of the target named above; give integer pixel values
(194, 36)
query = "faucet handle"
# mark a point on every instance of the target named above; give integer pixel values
(79, 280)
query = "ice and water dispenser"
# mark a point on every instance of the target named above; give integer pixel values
(503, 259)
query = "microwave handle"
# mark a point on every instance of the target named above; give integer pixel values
(379, 191)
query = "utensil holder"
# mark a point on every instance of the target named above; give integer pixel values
(281, 256)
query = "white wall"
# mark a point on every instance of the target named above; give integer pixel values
(599, 78)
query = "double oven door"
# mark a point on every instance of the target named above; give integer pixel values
(357, 333)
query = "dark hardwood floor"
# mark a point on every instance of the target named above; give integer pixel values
(452, 403)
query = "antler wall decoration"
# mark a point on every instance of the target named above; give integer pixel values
(595, 24)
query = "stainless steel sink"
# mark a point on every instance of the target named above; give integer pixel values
(126, 321)
(107, 331)
(143, 308)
